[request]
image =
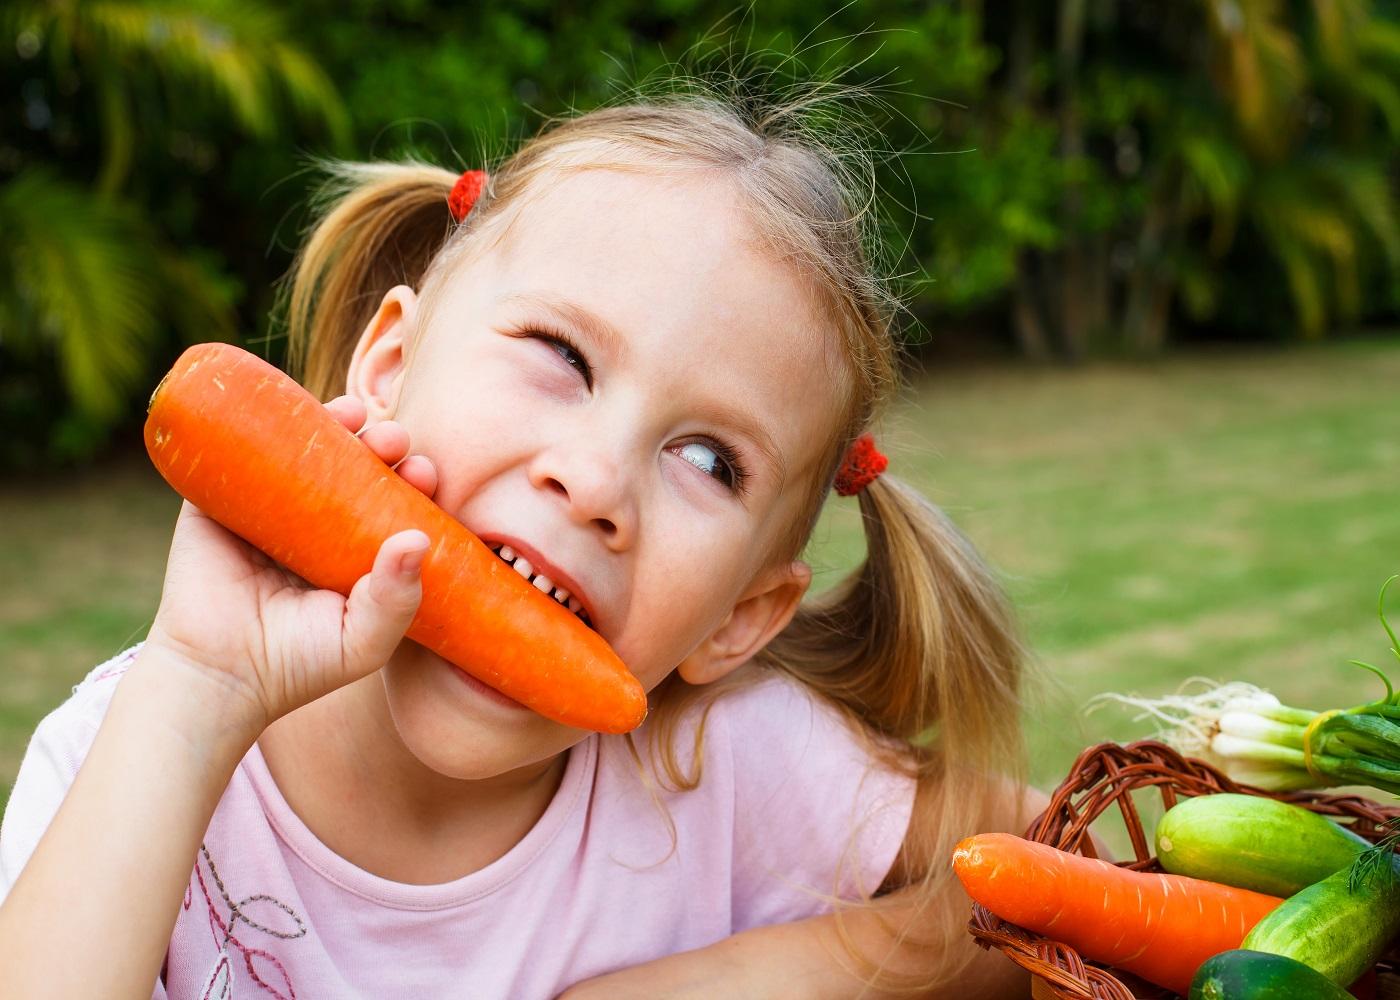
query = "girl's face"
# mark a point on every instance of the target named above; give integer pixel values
(629, 393)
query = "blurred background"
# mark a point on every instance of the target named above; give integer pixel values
(1152, 254)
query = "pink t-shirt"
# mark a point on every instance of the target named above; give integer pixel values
(789, 810)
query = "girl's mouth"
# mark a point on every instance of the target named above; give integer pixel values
(539, 581)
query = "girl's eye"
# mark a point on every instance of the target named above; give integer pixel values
(716, 462)
(566, 350)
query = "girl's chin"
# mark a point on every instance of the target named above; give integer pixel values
(462, 683)
(460, 728)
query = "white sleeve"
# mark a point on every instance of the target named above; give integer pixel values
(51, 761)
(56, 750)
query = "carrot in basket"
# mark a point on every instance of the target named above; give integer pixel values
(1159, 927)
(258, 453)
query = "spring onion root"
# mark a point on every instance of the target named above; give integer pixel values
(1247, 733)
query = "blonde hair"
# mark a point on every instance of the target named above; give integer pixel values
(918, 647)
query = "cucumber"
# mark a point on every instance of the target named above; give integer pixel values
(1252, 842)
(1256, 975)
(1331, 929)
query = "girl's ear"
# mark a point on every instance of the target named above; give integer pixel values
(377, 366)
(763, 612)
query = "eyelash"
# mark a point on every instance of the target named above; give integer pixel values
(738, 475)
(558, 338)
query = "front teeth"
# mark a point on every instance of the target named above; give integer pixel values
(541, 582)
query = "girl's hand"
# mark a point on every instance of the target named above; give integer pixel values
(269, 640)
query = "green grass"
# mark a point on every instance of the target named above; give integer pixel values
(1230, 516)
(1227, 515)
(82, 558)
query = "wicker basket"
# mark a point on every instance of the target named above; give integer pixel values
(1102, 777)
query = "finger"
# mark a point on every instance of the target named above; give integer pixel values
(420, 473)
(349, 410)
(382, 603)
(388, 440)
(197, 531)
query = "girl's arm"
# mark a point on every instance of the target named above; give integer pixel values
(236, 643)
(92, 911)
(809, 960)
(805, 960)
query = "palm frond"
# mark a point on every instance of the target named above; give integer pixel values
(1264, 66)
(1338, 23)
(1220, 170)
(1360, 53)
(1383, 91)
(1363, 189)
(200, 300)
(235, 53)
(88, 280)
(1306, 288)
(189, 47)
(312, 92)
(1380, 40)
(1201, 284)
(119, 133)
(79, 279)
(1311, 232)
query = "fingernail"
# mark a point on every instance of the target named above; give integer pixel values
(411, 562)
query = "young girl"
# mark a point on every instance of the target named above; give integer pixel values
(635, 368)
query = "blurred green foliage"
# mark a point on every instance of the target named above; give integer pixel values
(113, 116)
(1080, 178)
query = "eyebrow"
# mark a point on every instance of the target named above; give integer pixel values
(597, 328)
(749, 427)
(572, 314)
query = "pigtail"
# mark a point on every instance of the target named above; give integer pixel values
(919, 644)
(386, 223)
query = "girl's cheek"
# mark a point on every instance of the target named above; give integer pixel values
(687, 487)
(542, 379)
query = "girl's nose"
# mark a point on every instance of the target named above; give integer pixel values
(593, 484)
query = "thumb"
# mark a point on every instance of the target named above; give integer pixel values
(382, 603)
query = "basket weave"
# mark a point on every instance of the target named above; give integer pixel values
(1102, 777)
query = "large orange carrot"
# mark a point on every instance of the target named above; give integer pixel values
(1159, 927)
(258, 453)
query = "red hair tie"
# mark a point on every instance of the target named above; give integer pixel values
(465, 193)
(861, 466)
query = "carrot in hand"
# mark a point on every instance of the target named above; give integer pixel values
(1159, 927)
(259, 454)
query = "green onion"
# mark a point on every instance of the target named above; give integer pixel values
(1249, 726)
(1246, 732)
